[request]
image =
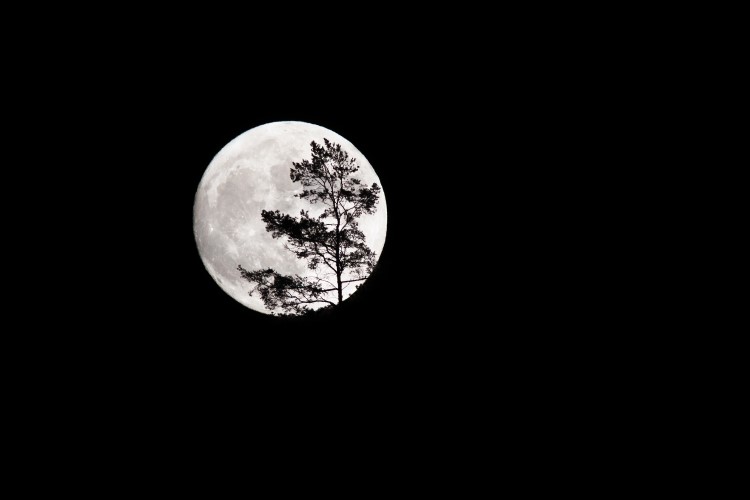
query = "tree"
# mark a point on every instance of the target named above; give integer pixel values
(331, 243)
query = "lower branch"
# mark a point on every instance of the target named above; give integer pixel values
(286, 293)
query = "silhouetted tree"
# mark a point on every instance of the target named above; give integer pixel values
(332, 242)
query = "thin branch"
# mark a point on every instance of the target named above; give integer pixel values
(326, 261)
(325, 280)
(349, 281)
(318, 300)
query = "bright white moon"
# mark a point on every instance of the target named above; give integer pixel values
(251, 174)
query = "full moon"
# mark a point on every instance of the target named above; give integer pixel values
(251, 174)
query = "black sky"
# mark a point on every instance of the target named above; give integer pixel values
(458, 139)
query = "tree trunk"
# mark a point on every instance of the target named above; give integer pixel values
(338, 264)
(338, 253)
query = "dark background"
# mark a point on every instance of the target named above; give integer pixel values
(510, 305)
(157, 141)
(492, 289)
(459, 146)
(474, 139)
(383, 137)
(138, 331)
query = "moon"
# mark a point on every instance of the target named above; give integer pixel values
(251, 174)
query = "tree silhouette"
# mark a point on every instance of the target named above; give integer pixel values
(331, 243)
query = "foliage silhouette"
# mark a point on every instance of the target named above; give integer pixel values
(331, 243)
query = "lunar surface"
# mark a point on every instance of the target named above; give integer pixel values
(251, 174)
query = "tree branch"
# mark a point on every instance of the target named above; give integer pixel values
(324, 280)
(314, 301)
(349, 281)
